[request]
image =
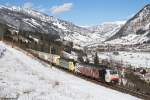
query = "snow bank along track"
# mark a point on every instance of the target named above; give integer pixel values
(102, 83)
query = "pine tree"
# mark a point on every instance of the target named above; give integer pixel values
(96, 59)
(80, 58)
(87, 61)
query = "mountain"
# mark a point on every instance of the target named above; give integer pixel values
(136, 30)
(107, 29)
(33, 21)
(96, 34)
(100, 33)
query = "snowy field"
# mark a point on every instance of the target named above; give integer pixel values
(25, 78)
(136, 59)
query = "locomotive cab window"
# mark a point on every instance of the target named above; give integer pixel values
(113, 72)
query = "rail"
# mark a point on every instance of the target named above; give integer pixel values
(98, 82)
(102, 83)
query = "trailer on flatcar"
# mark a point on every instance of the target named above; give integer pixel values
(52, 58)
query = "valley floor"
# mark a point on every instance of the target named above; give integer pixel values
(25, 78)
(136, 59)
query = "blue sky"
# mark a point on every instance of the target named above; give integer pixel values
(84, 12)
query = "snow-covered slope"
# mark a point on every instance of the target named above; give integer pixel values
(100, 33)
(136, 30)
(25, 78)
(107, 29)
(136, 59)
(130, 39)
(37, 22)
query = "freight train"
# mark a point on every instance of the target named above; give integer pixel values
(99, 72)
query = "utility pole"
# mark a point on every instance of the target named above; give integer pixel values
(12, 42)
(19, 32)
(50, 49)
(3, 31)
(50, 55)
(2, 36)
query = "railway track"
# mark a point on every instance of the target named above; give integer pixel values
(119, 88)
(133, 92)
(99, 82)
(116, 87)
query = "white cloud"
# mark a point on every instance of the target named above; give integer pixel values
(28, 5)
(61, 8)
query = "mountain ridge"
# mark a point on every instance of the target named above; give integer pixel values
(137, 27)
(134, 30)
(34, 21)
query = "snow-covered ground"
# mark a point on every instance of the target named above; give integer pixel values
(130, 39)
(25, 77)
(136, 59)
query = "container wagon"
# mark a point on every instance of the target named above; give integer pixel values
(52, 58)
